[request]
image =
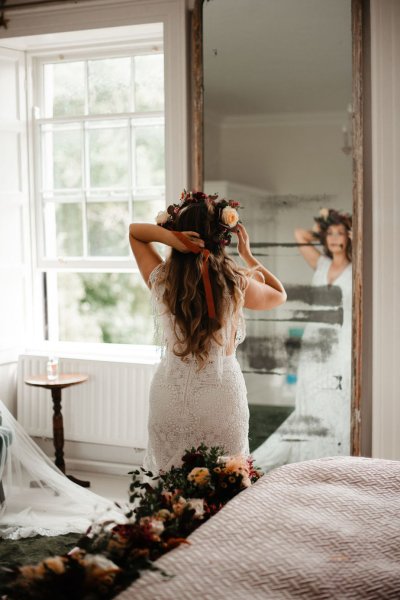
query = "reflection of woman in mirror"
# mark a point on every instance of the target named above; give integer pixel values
(320, 423)
(198, 393)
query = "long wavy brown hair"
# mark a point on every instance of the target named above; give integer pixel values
(184, 293)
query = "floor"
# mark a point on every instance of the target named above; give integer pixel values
(114, 487)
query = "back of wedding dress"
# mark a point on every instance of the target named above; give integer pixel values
(191, 402)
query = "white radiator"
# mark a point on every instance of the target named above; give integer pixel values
(110, 408)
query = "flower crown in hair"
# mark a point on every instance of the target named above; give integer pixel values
(328, 217)
(228, 217)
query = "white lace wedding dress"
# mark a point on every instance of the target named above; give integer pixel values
(320, 423)
(191, 405)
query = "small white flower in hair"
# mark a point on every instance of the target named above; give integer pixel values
(162, 217)
(229, 216)
(324, 213)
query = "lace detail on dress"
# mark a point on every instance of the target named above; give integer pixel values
(191, 405)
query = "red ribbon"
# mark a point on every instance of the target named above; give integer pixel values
(204, 270)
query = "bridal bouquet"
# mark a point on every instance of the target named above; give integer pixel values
(164, 511)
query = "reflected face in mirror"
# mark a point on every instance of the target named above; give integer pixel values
(277, 119)
(337, 240)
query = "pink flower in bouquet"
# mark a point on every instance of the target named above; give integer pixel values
(156, 526)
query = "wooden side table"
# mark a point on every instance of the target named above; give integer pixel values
(63, 380)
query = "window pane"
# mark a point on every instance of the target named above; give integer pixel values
(63, 228)
(109, 85)
(104, 307)
(150, 156)
(62, 159)
(64, 89)
(108, 154)
(108, 224)
(149, 82)
(147, 210)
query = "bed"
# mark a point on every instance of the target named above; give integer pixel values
(326, 528)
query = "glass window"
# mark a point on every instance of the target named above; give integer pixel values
(102, 163)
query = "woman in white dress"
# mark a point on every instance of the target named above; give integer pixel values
(198, 394)
(320, 424)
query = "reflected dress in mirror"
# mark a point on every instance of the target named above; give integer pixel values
(320, 424)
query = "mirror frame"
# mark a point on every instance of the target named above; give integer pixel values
(197, 180)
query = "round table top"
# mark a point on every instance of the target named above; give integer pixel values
(62, 380)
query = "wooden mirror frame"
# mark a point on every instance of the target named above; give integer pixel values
(197, 180)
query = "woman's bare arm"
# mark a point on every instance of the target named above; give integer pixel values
(141, 238)
(309, 253)
(259, 295)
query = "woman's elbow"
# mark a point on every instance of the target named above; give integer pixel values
(281, 299)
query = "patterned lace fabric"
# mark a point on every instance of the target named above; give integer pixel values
(190, 406)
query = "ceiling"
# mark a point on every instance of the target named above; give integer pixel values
(276, 56)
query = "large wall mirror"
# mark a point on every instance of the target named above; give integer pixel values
(275, 113)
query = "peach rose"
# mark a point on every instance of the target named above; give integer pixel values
(229, 216)
(324, 213)
(237, 465)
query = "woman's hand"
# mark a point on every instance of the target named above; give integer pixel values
(243, 243)
(192, 236)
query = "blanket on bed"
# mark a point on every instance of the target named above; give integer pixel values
(326, 528)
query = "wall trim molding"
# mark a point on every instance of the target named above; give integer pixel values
(385, 74)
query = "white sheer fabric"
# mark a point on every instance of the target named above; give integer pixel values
(191, 405)
(39, 499)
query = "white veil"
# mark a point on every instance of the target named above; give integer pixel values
(39, 499)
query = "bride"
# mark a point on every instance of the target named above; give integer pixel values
(198, 393)
(320, 424)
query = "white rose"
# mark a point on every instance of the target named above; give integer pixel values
(229, 216)
(198, 505)
(100, 561)
(162, 217)
(324, 213)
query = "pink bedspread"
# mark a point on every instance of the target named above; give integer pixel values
(327, 529)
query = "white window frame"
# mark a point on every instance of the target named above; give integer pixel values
(92, 15)
(113, 50)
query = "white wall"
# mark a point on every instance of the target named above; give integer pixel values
(285, 154)
(385, 76)
(8, 386)
(14, 219)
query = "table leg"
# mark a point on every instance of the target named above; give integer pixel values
(58, 429)
(80, 482)
(58, 436)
